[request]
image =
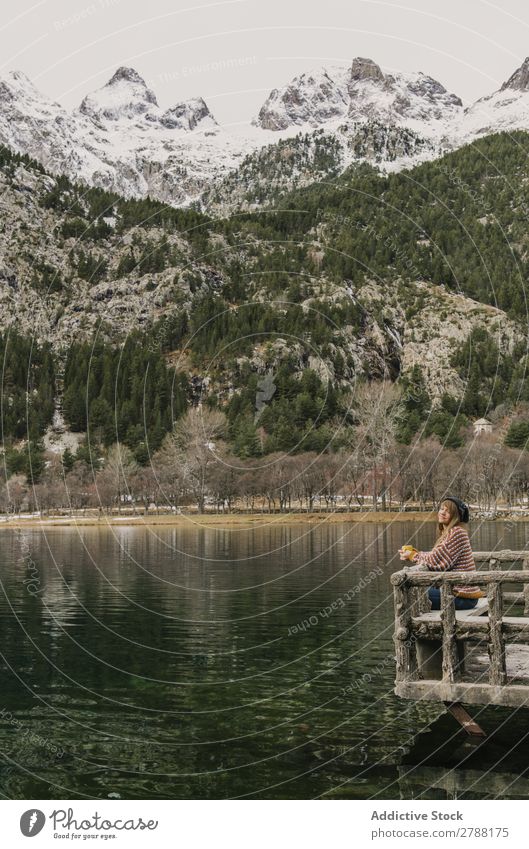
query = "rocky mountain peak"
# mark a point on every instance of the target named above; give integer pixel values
(125, 96)
(519, 81)
(365, 69)
(127, 74)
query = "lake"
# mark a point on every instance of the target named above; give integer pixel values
(195, 662)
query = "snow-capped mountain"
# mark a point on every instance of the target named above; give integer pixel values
(362, 92)
(121, 139)
(126, 97)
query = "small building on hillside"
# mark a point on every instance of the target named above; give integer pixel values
(482, 426)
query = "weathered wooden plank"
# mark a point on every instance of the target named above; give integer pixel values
(448, 621)
(514, 598)
(510, 695)
(496, 644)
(465, 720)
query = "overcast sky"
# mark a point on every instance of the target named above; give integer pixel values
(233, 53)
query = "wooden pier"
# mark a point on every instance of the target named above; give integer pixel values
(479, 656)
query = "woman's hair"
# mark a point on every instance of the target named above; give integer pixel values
(453, 512)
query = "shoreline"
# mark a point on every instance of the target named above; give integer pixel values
(214, 520)
(233, 520)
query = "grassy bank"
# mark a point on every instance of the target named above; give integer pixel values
(230, 520)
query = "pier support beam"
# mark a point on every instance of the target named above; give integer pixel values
(465, 720)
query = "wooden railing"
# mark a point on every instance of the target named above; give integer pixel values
(494, 560)
(494, 627)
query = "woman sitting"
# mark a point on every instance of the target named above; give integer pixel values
(452, 552)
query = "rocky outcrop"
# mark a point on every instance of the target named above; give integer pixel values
(119, 139)
(441, 323)
(312, 99)
(188, 115)
(365, 69)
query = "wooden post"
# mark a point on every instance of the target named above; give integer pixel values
(525, 565)
(419, 602)
(498, 671)
(448, 621)
(404, 644)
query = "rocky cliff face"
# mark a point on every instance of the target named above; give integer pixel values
(188, 115)
(126, 98)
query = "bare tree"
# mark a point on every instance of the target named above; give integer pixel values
(307, 480)
(118, 472)
(15, 493)
(377, 409)
(191, 449)
(79, 484)
(250, 484)
(276, 479)
(224, 480)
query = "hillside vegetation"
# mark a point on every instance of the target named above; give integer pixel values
(417, 278)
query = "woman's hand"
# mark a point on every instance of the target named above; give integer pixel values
(407, 552)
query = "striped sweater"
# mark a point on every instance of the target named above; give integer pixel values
(453, 553)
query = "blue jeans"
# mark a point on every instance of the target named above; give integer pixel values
(434, 594)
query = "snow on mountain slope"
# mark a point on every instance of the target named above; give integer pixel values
(32, 123)
(321, 154)
(121, 140)
(126, 97)
(505, 109)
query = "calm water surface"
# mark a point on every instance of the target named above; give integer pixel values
(204, 663)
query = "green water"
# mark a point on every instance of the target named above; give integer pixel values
(202, 663)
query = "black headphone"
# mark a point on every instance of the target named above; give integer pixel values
(462, 508)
